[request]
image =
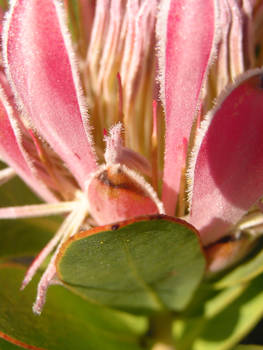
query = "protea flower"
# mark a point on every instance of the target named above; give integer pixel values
(57, 99)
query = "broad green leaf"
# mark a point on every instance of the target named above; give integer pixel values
(67, 321)
(149, 263)
(243, 272)
(15, 192)
(5, 345)
(25, 238)
(223, 330)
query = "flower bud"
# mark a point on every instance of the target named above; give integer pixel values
(117, 193)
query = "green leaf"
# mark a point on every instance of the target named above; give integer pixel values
(206, 305)
(222, 330)
(15, 192)
(23, 238)
(67, 322)
(248, 347)
(243, 272)
(4, 345)
(149, 263)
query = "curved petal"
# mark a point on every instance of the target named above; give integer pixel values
(11, 150)
(40, 65)
(227, 165)
(184, 57)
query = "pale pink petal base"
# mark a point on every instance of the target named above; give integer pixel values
(227, 166)
(31, 211)
(43, 285)
(6, 175)
(38, 261)
(69, 227)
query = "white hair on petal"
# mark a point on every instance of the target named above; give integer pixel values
(138, 179)
(114, 144)
(90, 177)
(18, 101)
(73, 63)
(214, 49)
(213, 52)
(205, 126)
(161, 34)
(145, 186)
(5, 31)
(45, 193)
(75, 75)
(42, 188)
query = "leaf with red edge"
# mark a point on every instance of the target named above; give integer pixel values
(67, 322)
(147, 263)
(5, 345)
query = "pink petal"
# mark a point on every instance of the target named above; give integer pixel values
(38, 261)
(11, 149)
(189, 27)
(227, 167)
(116, 193)
(40, 65)
(2, 13)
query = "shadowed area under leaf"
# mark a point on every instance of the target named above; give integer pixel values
(67, 323)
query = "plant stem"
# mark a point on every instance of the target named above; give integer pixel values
(160, 331)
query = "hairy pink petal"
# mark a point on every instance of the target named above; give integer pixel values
(2, 13)
(69, 227)
(184, 60)
(45, 282)
(227, 166)
(11, 150)
(40, 65)
(38, 261)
